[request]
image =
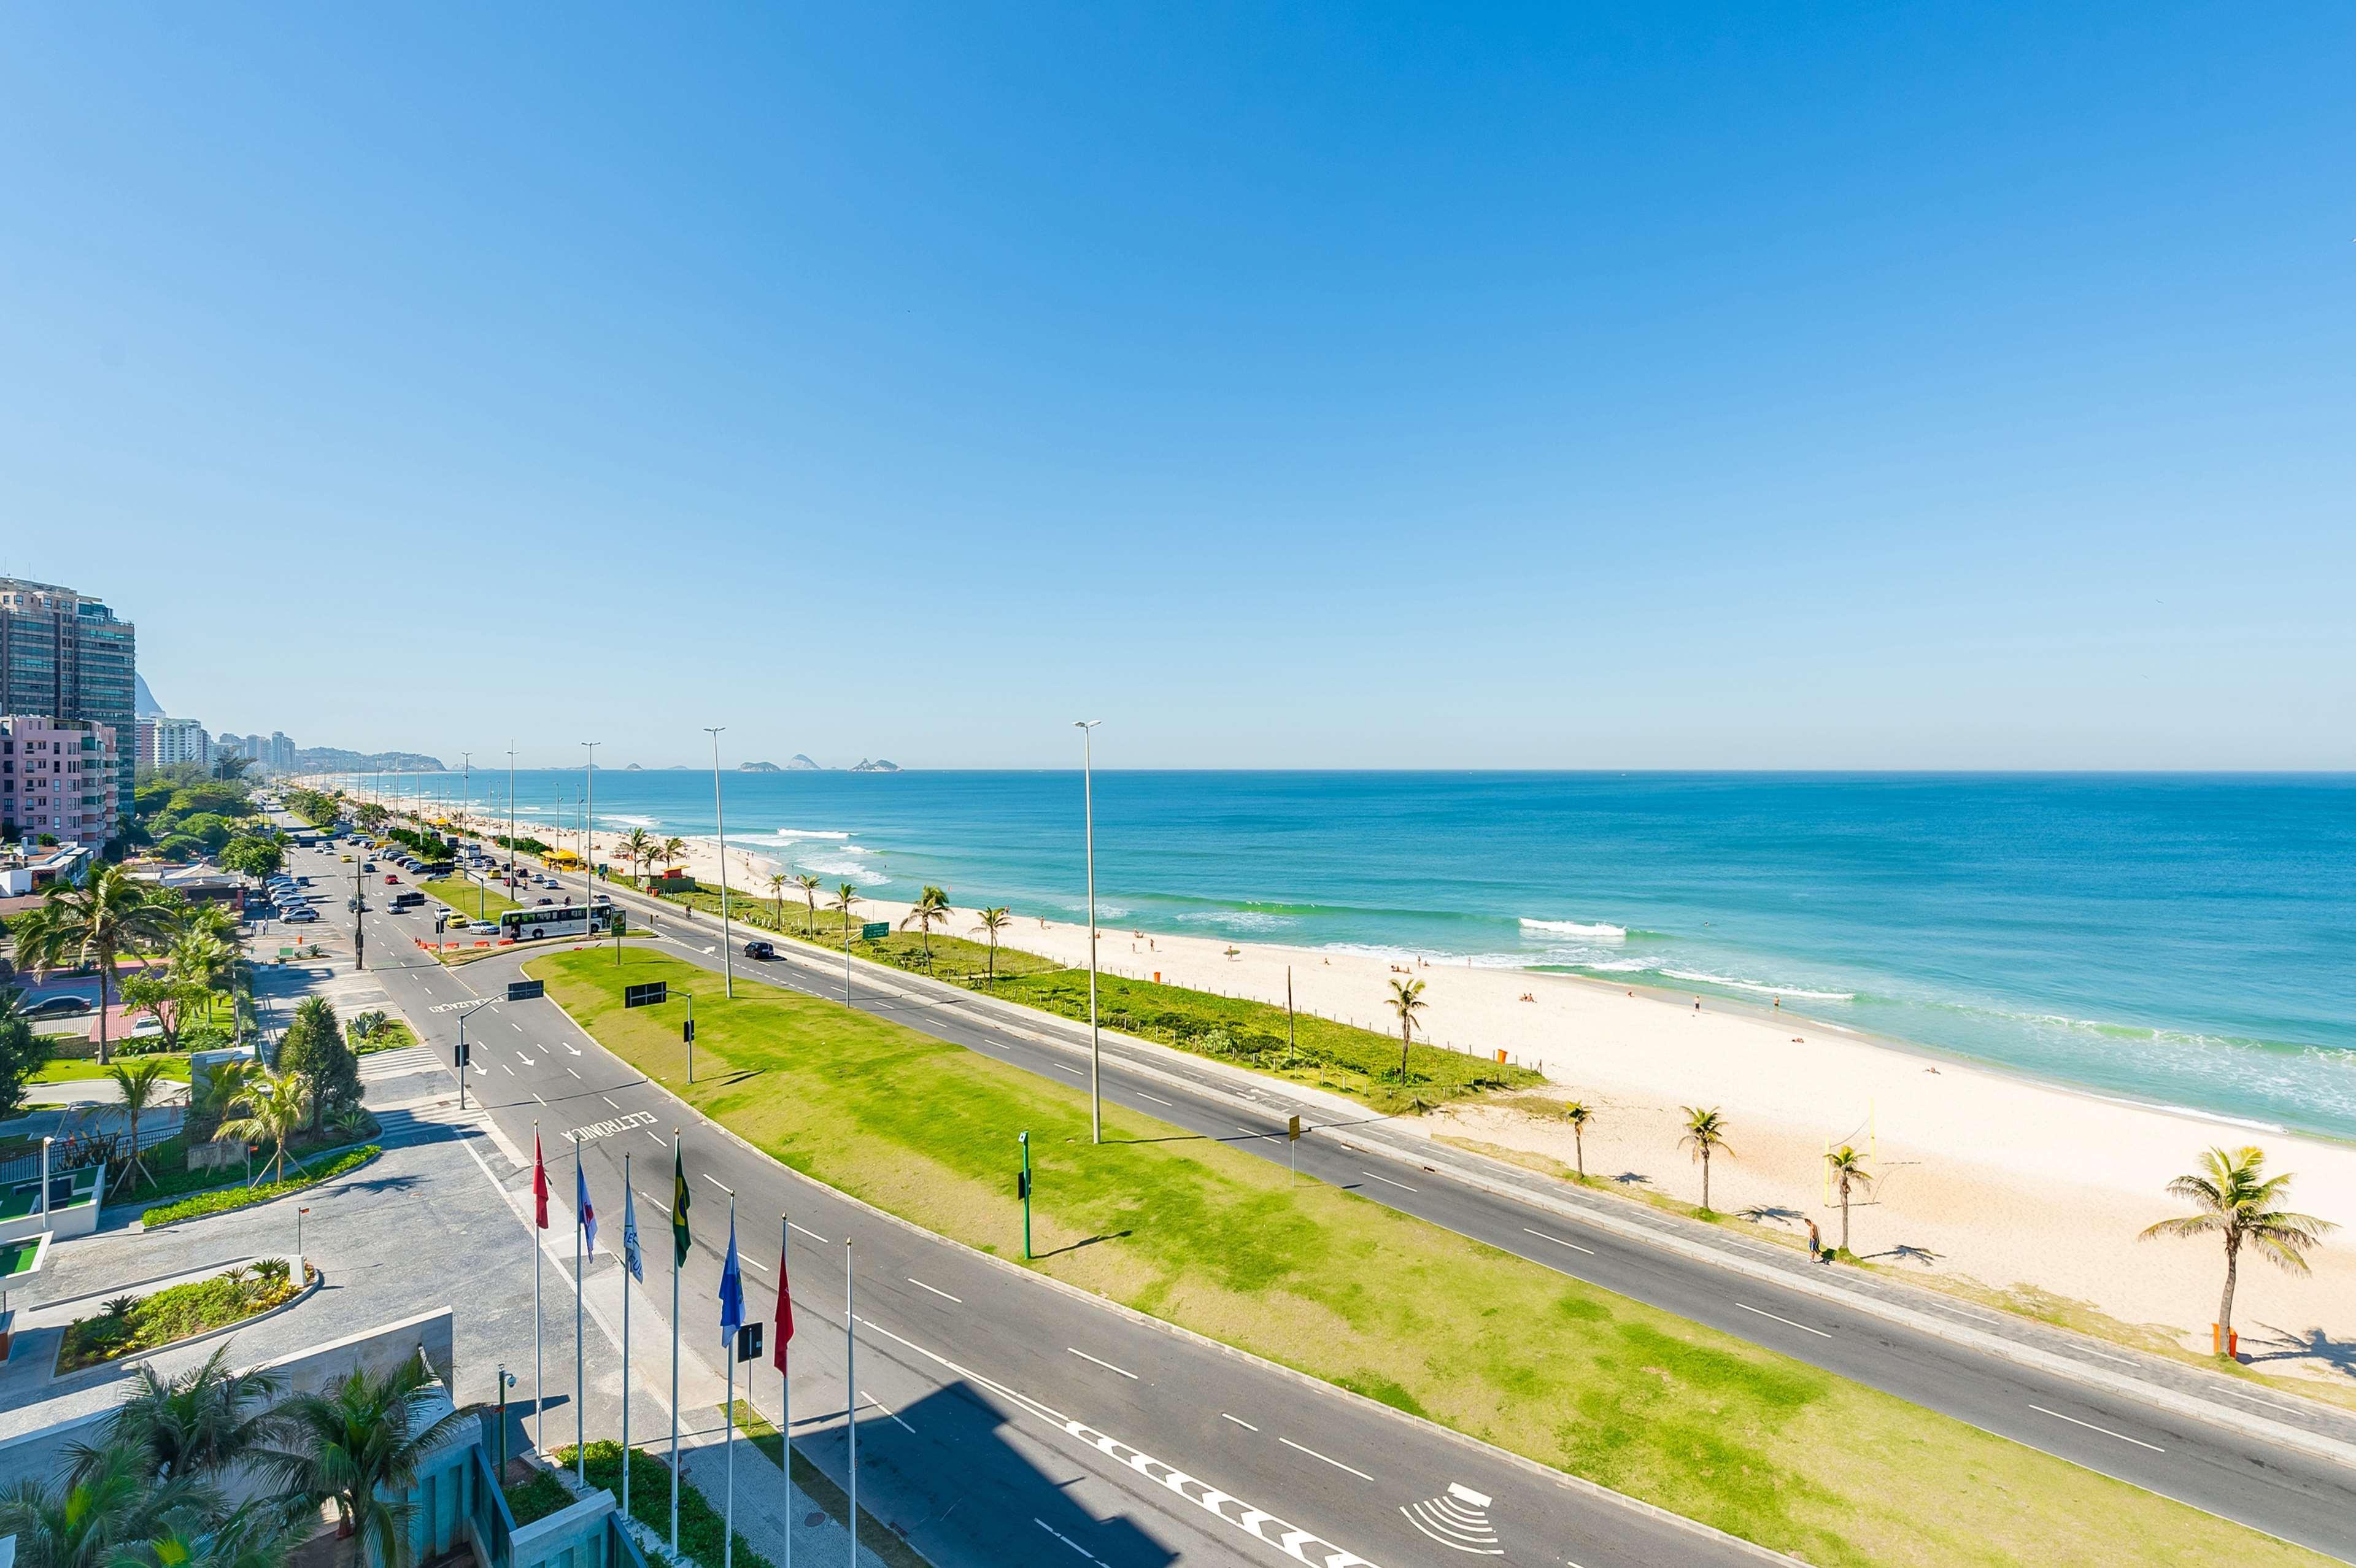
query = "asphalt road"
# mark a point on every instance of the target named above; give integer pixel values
(1001, 1419)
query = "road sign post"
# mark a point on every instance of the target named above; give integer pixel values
(1022, 1186)
(1292, 1136)
(875, 930)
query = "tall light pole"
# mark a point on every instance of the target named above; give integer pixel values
(511, 836)
(720, 827)
(466, 772)
(589, 815)
(1088, 798)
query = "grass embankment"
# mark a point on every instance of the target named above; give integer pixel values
(875, 1535)
(468, 899)
(702, 1531)
(1357, 1062)
(1221, 1243)
(223, 1201)
(132, 1323)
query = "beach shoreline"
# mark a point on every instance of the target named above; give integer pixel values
(1986, 1174)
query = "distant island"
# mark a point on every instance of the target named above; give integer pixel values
(758, 767)
(634, 767)
(336, 760)
(878, 765)
(802, 764)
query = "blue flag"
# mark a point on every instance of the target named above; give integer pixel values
(732, 1291)
(588, 1210)
(630, 1235)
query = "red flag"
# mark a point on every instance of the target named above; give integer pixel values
(785, 1311)
(539, 1185)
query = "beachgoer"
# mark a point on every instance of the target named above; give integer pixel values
(1816, 1243)
(1697, 1004)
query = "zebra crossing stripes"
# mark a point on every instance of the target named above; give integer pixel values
(398, 1063)
(1458, 1520)
(1299, 1545)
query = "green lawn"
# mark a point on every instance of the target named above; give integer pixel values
(63, 1069)
(467, 897)
(1358, 1062)
(1221, 1243)
(15, 1257)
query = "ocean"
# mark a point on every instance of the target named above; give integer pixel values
(2176, 940)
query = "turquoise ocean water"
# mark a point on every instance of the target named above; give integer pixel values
(2187, 940)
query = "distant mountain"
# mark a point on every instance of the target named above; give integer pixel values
(142, 701)
(758, 767)
(634, 767)
(801, 763)
(336, 760)
(878, 765)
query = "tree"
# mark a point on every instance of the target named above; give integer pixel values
(1578, 1113)
(313, 1045)
(1848, 1168)
(992, 922)
(231, 766)
(196, 1424)
(166, 999)
(1406, 1000)
(1704, 1134)
(778, 882)
(142, 1084)
(109, 914)
(2237, 1199)
(275, 1105)
(253, 856)
(87, 1518)
(257, 1534)
(21, 1053)
(354, 1446)
(809, 885)
(672, 848)
(369, 816)
(636, 850)
(845, 902)
(931, 908)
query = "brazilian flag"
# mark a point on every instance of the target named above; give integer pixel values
(679, 1237)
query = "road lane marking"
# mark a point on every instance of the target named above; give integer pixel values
(659, 1203)
(535, 1094)
(657, 1137)
(1239, 1421)
(886, 1409)
(1559, 1240)
(609, 1100)
(1156, 1098)
(1288, 1443)
(1786, 1321)
(517, 1028)
(1066, 1539)
(1059, 1067)
(1108, 1366)
(811, 1234)
(2104, 1430)
(922, 1286)
(507, 1070)
(751, 1263)
(1387, 1181)
(716, 1182)
(574, 1074)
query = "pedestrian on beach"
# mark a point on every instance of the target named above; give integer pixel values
(1697, 1004)
(1816, 1243)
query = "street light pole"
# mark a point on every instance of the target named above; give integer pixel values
(466, 773)
(720, 826)
(589, 817)
(511, 836)
(1088, 797)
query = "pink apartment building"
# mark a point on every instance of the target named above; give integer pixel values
(58, 776)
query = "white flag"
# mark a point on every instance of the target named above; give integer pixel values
(630, 1236)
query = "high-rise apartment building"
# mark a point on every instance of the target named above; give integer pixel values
(64, 655)
(179, 741)
(58, 776)
(282, 752)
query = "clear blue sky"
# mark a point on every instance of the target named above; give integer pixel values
(1911, 385)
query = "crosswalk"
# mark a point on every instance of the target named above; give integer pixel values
(408, 1059)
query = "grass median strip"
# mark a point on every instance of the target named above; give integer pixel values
(1223, 1243)
(222, 1200)
(468, 899)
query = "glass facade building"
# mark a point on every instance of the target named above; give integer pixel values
(64, 655)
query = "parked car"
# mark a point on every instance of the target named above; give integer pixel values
(296, 916)
(757, 949)
(367, 865)
(57, 1008)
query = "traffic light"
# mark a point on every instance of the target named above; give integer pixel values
(687, 1032)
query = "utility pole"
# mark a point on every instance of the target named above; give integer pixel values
(1096, 1054)
(720, 826)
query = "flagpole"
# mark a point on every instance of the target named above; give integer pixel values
(675, 1165)
(580, 1275)
(728, 1349)
(785, 1389)
(850, 1406)
(630, 1224)
(539, 1393)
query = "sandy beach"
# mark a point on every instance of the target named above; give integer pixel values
(2017, 1184)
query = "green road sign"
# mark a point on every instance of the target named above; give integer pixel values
(875, 930)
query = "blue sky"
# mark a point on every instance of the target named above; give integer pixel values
(1288, 385)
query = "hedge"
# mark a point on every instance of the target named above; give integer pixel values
(222, 1200)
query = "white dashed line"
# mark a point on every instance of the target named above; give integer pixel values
(750, 1264)
(935, 1289)
(574, 1074)
(1288, 1443)
(1559, 1240)
(608, 1099)
(2104, 1430)
(1066, 1539)
(659, 1203)
(1059, 1067)
(535, 1094)
(811, 1234)
(657, 1137)
(1788, 1323)
(1239, 1421)
(714, 1181)
(1156, 1098)
(888, 1411)
(1108, 1366)
(507, 1070)
(1387, 1181)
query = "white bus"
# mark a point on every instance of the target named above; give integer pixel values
(562, 920)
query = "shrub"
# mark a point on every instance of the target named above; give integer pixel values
(224, 1200)
(699, 1526)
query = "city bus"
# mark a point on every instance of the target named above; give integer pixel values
(562, 920)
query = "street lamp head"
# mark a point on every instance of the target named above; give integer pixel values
(1085, 723)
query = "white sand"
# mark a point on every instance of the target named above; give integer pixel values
(2010, 1182)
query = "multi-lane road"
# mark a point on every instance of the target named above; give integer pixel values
(2290, 1493)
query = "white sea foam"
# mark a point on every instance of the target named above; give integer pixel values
(1615, 966)
(628, 821)
(1801, 993)
(786, 835)
(1577, 928)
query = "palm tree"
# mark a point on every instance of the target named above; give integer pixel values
(2237, 1200)
(845, 900)
(142, 1083)
(636, 849)
(88, 1518)
(357, 1445)
(809, 885)
(202, 960)
(96, 923)
(256, 1535)
(672, 848)
(1704, 1134)
(193, 1425)
(992, 922)
(1847, 1168)
(277, 1105)
(931, 908)
(1406, 1000)
(1578, 1113)
(778, 882)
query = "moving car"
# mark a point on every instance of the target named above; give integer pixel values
(389, 877)
(299, 914)
(758, 949)
(57, 1008)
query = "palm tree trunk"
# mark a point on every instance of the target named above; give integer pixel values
(105, 970)
(1578, 1147)
(1844, 1213)
(1704, 1180)
(1403, 1036)
(2233, 1266)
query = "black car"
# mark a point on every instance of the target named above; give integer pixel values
(757, 949)
(57, 1008)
